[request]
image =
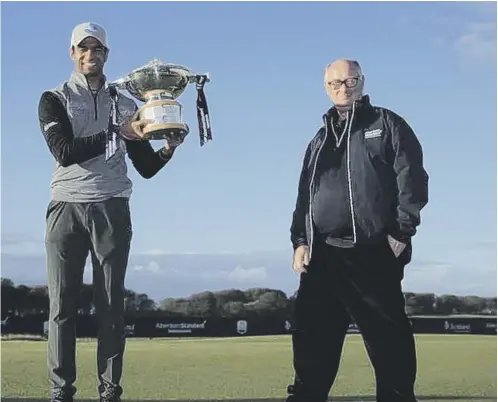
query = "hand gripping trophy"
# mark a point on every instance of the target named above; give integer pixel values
(159, 84)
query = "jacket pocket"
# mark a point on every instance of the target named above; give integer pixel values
(52, 207)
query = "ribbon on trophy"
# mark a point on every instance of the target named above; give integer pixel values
(202, 110)
(112, 137)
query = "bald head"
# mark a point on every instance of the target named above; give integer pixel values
(343, 67)
(344, 82)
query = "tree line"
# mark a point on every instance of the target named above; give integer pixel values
(21, 300)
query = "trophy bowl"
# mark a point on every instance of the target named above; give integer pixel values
(159, 84)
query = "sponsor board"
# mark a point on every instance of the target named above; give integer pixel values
(457, 328)
(129, 330)
(491, 326)
(242, 327)
(287, 326)
(182, 327)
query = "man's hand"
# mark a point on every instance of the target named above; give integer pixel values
(129, 129)
(174, 142)
(170, 146)
(301, 259)
(396, 246)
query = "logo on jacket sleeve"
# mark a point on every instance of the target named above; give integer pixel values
(373, 133)
(48, 126)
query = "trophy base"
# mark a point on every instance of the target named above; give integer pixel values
(165, 116)
(165, 131)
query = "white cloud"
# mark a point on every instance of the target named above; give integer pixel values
(212, 274)
(188, 252)
(478, 41)
(22, 244)
(239, 275)
(435, 272)
(154, 268)
(467, 28)
(242, 275)
(157, 252)
(444, 278)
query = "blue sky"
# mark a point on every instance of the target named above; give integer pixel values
(433, 63)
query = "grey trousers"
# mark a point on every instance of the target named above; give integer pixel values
(73, 231)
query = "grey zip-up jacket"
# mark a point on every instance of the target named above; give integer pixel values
(386, 182)
(85, 176)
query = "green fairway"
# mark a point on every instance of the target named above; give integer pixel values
(252, 368)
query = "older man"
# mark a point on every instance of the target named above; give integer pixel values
(361, 190)
(89, 208)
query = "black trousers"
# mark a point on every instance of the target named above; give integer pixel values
(363, 284)
(74, 231)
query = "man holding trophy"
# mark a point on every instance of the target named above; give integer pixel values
(89, 128)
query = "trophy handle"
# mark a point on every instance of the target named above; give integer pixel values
(196, 78)
(121, 83)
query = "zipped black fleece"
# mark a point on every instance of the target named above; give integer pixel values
(385, 181)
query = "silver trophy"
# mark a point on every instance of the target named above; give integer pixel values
(159, 84)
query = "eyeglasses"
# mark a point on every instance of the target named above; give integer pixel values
(349, 82)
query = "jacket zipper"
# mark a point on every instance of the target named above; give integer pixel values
(95, 104)
(95, 98)
(349, 123)
(310, 212)
(350, 185)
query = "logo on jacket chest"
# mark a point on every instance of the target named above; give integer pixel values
(77, 108)
(376, 133)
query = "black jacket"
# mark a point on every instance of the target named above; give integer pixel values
(386, 180)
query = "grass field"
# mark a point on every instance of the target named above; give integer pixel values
(450, 366)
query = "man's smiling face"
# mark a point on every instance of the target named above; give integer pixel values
(89, 57)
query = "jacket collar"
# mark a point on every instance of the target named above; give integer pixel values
(80, 80)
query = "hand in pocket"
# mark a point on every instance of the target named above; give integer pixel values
(396, 246)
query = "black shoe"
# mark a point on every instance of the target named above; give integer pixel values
(62, 395)
(108, 394)
(110, 398)
(59, 398)
(294, 396)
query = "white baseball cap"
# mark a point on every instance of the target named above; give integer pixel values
(86, 29)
